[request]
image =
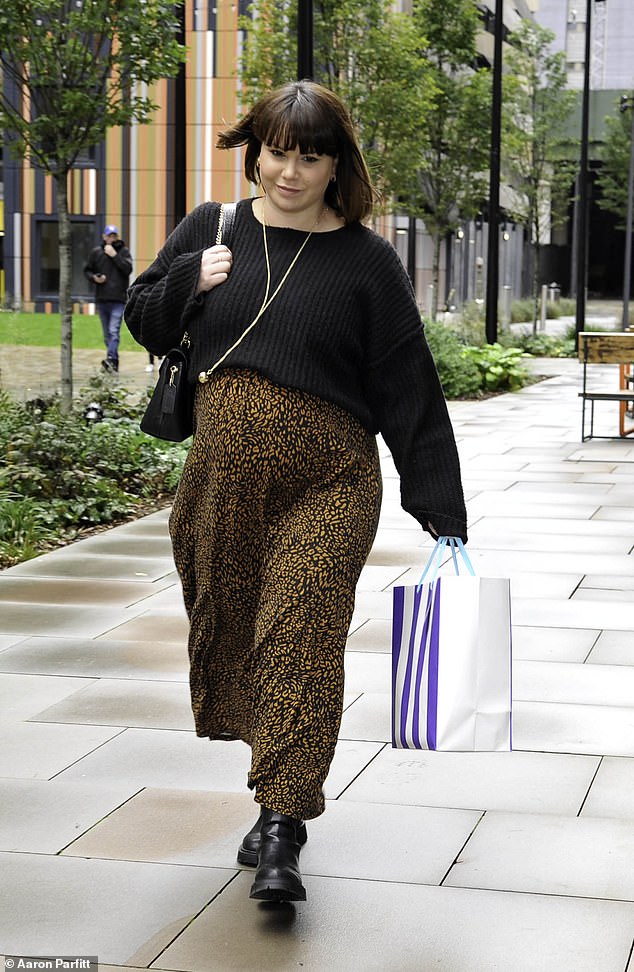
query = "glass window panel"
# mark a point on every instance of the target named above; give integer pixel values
(84, 239)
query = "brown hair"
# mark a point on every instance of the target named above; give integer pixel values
(308, 116)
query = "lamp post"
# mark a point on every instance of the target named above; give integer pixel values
(493, 248)
(93, 413)
(304, 39)
(582, 221)
(180, 129)
(627, 101)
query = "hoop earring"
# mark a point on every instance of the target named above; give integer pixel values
(333, 177)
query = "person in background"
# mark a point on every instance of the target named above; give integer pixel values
(305, 342)
(108, 267)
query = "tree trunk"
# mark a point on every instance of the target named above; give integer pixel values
(65, 305)
(537, 246)
(435, 276)
(535, 291)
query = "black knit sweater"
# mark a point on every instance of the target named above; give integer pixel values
(345, 327)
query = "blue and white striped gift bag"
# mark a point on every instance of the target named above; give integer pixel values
(451, 664)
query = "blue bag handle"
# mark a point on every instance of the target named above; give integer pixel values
(434, 563)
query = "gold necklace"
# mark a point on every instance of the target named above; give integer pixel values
(204, 376)
(267, 300)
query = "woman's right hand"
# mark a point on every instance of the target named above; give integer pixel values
(215, 267)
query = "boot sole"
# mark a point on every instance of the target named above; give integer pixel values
(250, 858)
(274, 891)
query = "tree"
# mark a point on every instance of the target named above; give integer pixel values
(421, 109)
(72, 69)
(613, 178)
(450, 182)
(536, 106)
(369, 55)
(374, 59)
(269, 55)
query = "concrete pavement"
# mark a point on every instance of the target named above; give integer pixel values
(119, 828)
(27, 373)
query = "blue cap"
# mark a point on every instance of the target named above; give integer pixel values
(111, 229)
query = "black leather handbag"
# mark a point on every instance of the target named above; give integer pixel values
(170, 411)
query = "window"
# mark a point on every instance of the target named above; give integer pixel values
(84, 239)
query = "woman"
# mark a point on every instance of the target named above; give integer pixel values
(279, 501)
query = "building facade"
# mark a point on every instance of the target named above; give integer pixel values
(612, 43)
(611, 74)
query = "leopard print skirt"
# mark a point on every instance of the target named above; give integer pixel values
(273, 521)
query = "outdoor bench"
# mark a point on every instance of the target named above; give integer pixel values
(615, 347)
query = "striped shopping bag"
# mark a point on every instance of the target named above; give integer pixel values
(451, 659)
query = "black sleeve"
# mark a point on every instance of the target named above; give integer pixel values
(409, 406)
(89, 267)
(123, 260)
(163, 298)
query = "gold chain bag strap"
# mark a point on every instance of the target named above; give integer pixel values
(170, 411)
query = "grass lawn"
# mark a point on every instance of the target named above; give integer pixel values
(42, 330)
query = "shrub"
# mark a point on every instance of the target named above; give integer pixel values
(60, 476)
(467, 372)
(459, 378)
(522, 311)
(546, 345)
(24, 527)
(501, 368)
(115, 399)
(567, 307)
(470, 326)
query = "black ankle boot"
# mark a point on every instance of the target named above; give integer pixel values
(277, 877)
(250, 847)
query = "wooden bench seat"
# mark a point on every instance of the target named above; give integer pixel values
(615, 347)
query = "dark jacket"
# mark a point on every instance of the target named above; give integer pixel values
(117, 270)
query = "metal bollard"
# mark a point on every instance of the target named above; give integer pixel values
(430, 301)
(506, 306)
(542, 316)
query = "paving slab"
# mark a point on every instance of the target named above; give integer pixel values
(44, 590)
(39, 752)
(23, 696)
(604, 685)
(60, 620)
(75, 563)
(583, 857)
(122, 911)
(97, 658)
(554, 644)
(613, 648)
(604, 730)
(45, 816)
(536, 782)
(118, 702)
(194, 827)
(611, 792)
(376, 926)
